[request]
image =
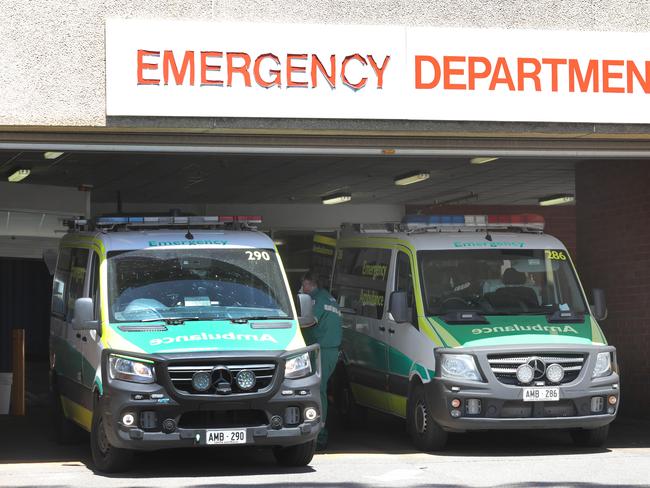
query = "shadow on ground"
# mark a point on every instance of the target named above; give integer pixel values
(27, 440)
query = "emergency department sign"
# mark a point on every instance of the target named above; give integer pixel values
(207, 69)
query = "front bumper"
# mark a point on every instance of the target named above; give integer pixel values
(503, 407)
(273, 417)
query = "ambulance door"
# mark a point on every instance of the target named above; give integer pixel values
(407, 345)
(91, 339)
(68, 346)
(63, 346)
(360, 285)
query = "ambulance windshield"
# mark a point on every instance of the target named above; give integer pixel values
(499, 282)
(196, 284)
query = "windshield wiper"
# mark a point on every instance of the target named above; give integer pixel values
(243, 320)
(172, 320)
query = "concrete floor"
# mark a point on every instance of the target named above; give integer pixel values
(378, 454)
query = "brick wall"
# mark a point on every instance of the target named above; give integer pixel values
(560, 221)
(613, 210)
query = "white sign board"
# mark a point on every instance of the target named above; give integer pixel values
(207, 69)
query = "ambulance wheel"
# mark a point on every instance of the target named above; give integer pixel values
(350, 413)
(107, 459)
(425, 433)
(590, 437)
(65, 430)
(300, 455)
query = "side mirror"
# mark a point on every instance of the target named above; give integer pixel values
(599, 307)
(83, 315)
(306, 312)
(398, 307)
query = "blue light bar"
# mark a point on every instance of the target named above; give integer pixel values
(179, 220)
(112, 220)
(524, 221)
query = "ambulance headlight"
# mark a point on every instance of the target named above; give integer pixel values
(603, 365)
(121, 368)
(459, 366)
(298, 366)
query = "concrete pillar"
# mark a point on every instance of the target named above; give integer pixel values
(613, 239)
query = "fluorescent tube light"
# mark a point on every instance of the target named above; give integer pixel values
(410, 178)
(556, 200)
(482, 160)
(18, 175)
(336, 198)
(52, 154)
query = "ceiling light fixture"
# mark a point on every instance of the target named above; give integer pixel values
(556, 200)
(336, 198)
(410, 178)
(18, 175)
(482, 160)
(52, 154)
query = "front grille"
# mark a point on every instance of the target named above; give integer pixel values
(504, 366)
(180, 374)
(214, 419)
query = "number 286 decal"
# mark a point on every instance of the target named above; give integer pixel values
(555, 255)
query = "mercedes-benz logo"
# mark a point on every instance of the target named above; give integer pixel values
(538, 366)
(222, 380)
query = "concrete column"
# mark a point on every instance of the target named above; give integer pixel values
(613, 239)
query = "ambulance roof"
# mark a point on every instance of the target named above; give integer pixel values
(174, 238)
(423, 241)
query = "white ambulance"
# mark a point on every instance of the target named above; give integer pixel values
(179, 332)
(465, 322)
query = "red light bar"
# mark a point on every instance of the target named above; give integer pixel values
(517, 219)
(252, 219)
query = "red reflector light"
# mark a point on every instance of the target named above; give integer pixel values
(226, 218)
(249, 218)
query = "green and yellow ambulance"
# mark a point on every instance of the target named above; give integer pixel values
(469, 322)
(179, 332)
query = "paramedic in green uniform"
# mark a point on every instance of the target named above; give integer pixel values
(326, 331)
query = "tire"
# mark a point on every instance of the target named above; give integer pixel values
(107, 459)
(299, 455)
(350, 413)
(590, 437)
(64, 430)
(425, 433)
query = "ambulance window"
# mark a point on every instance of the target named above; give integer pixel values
(60, 283)
(78, 266)
(360, 280)
(404, 281)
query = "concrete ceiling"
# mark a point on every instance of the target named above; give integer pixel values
(300, 179)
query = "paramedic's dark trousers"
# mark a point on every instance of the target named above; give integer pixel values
(328, 358)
